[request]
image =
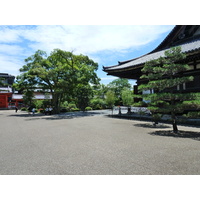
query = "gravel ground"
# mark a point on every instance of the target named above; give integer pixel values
(93, 144)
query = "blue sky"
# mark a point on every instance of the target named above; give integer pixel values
(105, 44)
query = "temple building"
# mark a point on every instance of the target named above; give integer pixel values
(10, 98)
(185, 36)
(6, 91)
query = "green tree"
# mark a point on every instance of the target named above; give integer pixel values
(110, 99)
(117, 86)
(100, 91)
(98, 103)
(83, 96)
(61, 73)
(163, 75)
(28, 97)
(127, 98)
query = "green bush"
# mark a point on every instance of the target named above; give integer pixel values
(68, 107)
(156, 117)
(75, 109)
(97, 104)
(64, 110)
(24, 109)
(72, 105)
(64, 104)
(38, 103)
(193, 115)
(88, 108)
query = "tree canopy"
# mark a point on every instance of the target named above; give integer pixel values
(117, 86)
(162, 76)
(127, 97)
(61, 73)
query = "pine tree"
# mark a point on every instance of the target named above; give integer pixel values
(161, 78)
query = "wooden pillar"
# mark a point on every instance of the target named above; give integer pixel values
(6, 101)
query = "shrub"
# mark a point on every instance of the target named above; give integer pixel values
(193, 115)
(75, 109)
(64, 110)
(97, 104)
(24, 109)
(69, 107)
(64, 104)
(88, 108)
(156, 117)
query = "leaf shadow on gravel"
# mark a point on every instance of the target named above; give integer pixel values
(70, 115)
(169, 133)
(180, 134)
(148, 125)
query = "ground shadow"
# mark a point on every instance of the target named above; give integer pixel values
(180, 134)
(61, 116)
(148, 125)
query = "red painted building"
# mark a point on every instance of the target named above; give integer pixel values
(6, 92)
(9, 99)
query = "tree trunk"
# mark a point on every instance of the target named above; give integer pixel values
(173, 116)
(174, 123)
(56, 104)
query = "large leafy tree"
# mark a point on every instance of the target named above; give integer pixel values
(60, 73)
(117, 86)
(162, 76)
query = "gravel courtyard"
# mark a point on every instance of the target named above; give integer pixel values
(92, 144)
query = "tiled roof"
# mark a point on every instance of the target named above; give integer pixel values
(5, 89)
(37, 96)
(186, 48)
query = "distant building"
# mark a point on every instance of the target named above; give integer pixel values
(9, 99)
(6, 92)
(185, 36)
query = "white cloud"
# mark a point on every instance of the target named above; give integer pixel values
(10, 65)
(86, 38)
(11, 49)
(91, 40)
(9, 35)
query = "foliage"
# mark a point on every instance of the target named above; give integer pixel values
(64, 104)
(38, 104)
(68, 107)
(24, 109)
(72, 106)
(83, 96)
(117, 86)
(75, 109)
(192, 115)
(156, 117)
(28, 97)
(140, 104)
(88, 108)
(110, 98)
(100, 91)
(162, 77)
(60, 73)
(97, 103)
(127, 97)
(40, 110)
